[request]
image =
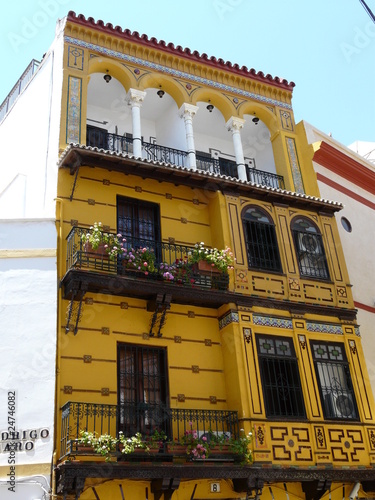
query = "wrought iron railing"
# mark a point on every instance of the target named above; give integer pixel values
(18, 88)
(208, 164)
(111, 142)
(111, 419)
(151, 151)
(265, 178)
(156, 152)
(169, 258)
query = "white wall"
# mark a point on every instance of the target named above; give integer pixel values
(29, 143)
(28, 303)
(358, 245)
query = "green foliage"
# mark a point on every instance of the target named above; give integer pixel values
(102, 445)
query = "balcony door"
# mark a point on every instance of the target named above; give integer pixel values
(139, 222)
(142, 389)
(96, 137)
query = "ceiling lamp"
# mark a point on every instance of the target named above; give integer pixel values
(160, 93)
(107, 77)
(210, 108)
(256, 120)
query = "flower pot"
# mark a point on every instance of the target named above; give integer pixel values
(99, 252)
(203, 266)
(177, 450)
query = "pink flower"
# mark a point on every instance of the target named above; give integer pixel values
(145, 264)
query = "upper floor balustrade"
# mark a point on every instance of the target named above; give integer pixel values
(156, 152)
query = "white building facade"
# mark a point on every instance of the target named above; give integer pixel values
(29, 120)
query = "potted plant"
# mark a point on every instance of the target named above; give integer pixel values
(196, 447)
(132, 444)
(155, 441)
(97, 241)
(211, 259)
(140, 259)
(103, 445)
(241, 447)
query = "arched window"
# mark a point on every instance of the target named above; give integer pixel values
(309, 249)
(261, 243)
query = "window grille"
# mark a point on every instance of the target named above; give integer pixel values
(335, 385)
(309, 249)
(281, 382)
(142, 389)
(261, 242)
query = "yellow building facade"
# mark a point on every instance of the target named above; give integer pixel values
(171, 151)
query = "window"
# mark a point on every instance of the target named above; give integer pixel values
(139, 222)
(261, 243)
(309, 248)
(281, 382)
(346, 224)
(335, 385)
(142, 389)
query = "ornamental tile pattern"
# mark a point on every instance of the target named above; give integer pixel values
(294, 164)
(73, 125)
(228, 318)
(175, 72)
(271, 321)
(323, 328)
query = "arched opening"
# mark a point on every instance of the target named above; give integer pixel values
(260, 237)
(309, 248)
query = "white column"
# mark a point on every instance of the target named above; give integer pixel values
(134, 99)
(187, 112)
(234, 125)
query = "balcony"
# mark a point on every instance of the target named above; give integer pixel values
(174, 423)
(155, 152)
(170, 262)
(93, 271)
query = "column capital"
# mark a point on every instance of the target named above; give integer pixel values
(135, 97)
(188, 110)
(235, 123)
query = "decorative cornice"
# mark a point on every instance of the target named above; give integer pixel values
(176, 73)
(178, 51)
(123, 162)
(343, 165)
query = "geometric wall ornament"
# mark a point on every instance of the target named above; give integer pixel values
(320, 437)
(294, 165)
(323, 328)
(228, 318)
(286, 120)
(302, 341)
(352, 346)
(273, 322)
(341, 291)
(73, 115)
(260, 436)
(75, 58)
(241, 276)
(294, 284)
(247, 335)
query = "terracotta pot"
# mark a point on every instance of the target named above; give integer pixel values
(100, 252)
(177, 450)
(206, 267)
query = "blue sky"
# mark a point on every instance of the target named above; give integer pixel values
(327, 47)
